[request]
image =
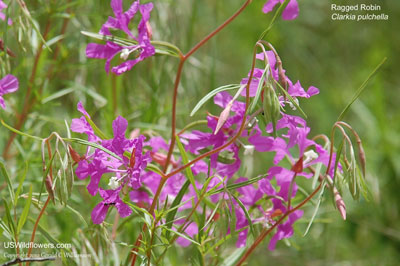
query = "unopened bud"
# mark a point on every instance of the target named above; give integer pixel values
(149, 30)
(361, 156)
(339, 203)
(75, 156)
(223, 117)
(271, 106)
(49, 188)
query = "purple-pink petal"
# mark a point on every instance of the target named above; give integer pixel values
(290, 12)
(99, 213)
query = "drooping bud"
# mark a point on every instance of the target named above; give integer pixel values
(361, 156)
(49, 187)
(149, 30)
(223, 117)
(75, 156)
(271, 106)
(339, 203)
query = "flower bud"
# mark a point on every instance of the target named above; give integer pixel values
(75, 156)
(339, 203)
(271, 106)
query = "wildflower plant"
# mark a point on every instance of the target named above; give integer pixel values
(192, 187)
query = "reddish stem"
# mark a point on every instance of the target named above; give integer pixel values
(269, 230)
(35, 227)
(179, 72)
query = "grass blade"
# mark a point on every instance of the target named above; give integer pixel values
(211, 94)
(360, 90)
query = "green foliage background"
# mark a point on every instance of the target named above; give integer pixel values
(335, 56)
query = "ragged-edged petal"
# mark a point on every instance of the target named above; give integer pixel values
(116, 6)
(110, 23)
(102, 51)
(123, 209)
(107, 51)
(83, 170)
(119, 126)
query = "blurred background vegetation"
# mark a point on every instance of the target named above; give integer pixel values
(335, 56)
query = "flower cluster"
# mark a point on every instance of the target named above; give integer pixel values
(121, 21)
(118, 172)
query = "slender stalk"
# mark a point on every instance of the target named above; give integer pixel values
(35, 227)
(173, 121)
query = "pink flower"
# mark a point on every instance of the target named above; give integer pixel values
(8, 84)
(143, 49)
(111, 198)
(291, 11)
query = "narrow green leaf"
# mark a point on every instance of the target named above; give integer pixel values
(25, 212)
(259, 89)
(316, 208)
(171, 215)
(211, 216)
(19, 132)
(5, 176)
(188, 170)
(10, 221)
(21, 181)
(181, 235)
(234, 257)
(153, 168)
(211, 94)
(94, 145)
(246, 213)
(57, 95)
(96, 130)
(360, 90)
(237, 185)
